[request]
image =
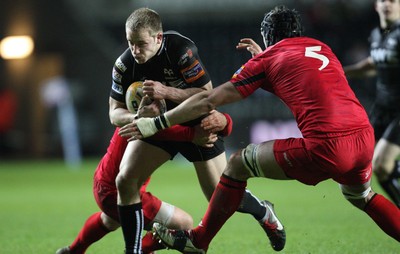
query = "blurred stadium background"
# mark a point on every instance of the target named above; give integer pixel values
(54, 102)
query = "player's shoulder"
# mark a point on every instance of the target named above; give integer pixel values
(175, 40)
(123, 62)
(299, 42)
(308, 40)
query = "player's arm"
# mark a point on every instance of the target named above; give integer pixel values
(157, 91)
(363, 68)
(202, 103)
(196, 106)
(118, 114)
(216, 122)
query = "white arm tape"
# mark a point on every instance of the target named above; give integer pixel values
(146, 126)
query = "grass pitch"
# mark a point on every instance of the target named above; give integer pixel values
(44, 204)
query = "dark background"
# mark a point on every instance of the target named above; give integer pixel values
(80, 40)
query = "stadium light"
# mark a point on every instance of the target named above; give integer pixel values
(16, 47)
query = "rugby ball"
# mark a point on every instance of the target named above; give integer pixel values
(134, 96)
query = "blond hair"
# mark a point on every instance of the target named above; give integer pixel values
(144, 18)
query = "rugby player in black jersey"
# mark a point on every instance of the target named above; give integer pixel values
(171, 60)
(384, 62)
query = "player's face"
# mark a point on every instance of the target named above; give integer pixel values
(388, 10)
(143, 44)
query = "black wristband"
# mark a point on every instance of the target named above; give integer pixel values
(157, 122)
(161, 122)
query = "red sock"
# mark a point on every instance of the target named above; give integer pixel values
(224, 202)
(92, 231)
(385, 214)
(150, 243)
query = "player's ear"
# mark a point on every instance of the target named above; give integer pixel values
(159, 37)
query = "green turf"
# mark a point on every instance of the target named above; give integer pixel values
(44, 204)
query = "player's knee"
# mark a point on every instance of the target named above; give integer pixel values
(380, 173)
(124, 182)
(108, 222)
(235, 168)
(358, 198)
(120, 181)
(382, 170)
(383, 165)
(235, 158)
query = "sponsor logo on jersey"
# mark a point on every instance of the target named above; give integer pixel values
(193, 72)
(168, 72)
(185, 57)
(238, 72)
(117, 88)
(120, 65)
(116, 76)
(189, 53)
(368, 173)
(285, 156)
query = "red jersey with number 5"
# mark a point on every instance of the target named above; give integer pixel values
(307, 76)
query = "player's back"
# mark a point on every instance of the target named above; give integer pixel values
(309, 78)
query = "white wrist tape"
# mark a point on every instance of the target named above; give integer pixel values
(146, 126)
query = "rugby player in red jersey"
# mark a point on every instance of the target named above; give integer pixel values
(105, 221)
(337, 142)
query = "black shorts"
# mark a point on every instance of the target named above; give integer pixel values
(189, 150)
(386, 123)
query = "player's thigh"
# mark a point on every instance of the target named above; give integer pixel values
(141, 159)
(106, 198)
(211, 169)
(268, 163)
(385, 154)
(109, 222)
(209, 172)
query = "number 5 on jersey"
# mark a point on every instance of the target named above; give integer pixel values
(311, 52)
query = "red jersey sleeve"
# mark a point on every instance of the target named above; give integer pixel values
(228, 128)
(250, 77)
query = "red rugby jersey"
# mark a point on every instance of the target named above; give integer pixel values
(306, 75)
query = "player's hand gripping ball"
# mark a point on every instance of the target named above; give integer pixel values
(134, 96)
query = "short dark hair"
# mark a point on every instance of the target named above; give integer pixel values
(280, 23)
(144, 18)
